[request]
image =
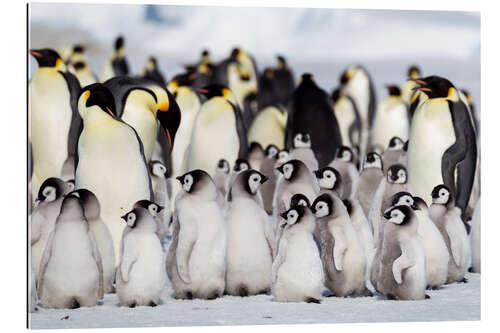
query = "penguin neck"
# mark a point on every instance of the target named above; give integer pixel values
(146, 226)
(96, 117)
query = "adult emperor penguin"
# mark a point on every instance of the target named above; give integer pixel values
(297, 272)
(343, 256)
(142, 104)
(347, 114)
(357, 83)
(475, 239)
(221, 176)
(442, 147)
(284, 81)
(250, 238)
(446, 216)
(268, 127)
(344, 164)
(268, 169)
(104, 241)
(302, 151)
(54, 123)
(218, 131)
(110, 149)
(79, 65)
(118, 64)
(71, 254)
(402, 270)
(408, 88)
(369, 180)
(392, 154)
(152, 72)
(43, 218)
(196, 261)
(140, 277)
(255, 155)
(391, 119)
(311, 112)
(155, 210)
(435, 250)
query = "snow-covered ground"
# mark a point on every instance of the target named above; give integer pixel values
(451, 303)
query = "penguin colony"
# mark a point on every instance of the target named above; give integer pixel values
(230, 180)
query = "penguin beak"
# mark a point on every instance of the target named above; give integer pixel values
(387, 215)
(317, 173)
(313, 209)
(424, 89)
(264, 179)
(415, 207)
(36, 54)
(179, 179)
(280, 169)
(283, 215)
(420, 82)
(160, 208)
(202, 91)
(124, 217)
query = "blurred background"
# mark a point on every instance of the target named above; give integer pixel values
(319, 41)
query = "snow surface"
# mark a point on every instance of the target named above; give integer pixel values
(453, 302)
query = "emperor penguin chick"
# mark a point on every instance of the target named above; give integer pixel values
(402, 269)
(268, 169)
(302, 151)
(392, 154)
(155, 210)
(329, 181)
(369, 180)
(344, 163)
(255, 155)
(297, 273)
(92, 212)
(71, 255)
(141, 275)
(160, 184)
(446, 216)
(342, 255)
(196, 261)
(250, 238)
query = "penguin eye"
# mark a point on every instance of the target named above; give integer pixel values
(153, 208)
(256, 179)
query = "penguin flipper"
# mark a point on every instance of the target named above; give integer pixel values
(187, 238)
(47, 253)
(129, 256)
(406, 260)
(97, 257)
(35, 227)
(242, 131)
(339, 248)
(289, 128)
(375, 213)
(355, 127)
(120, 66)
(280, 258)
(76, 126)
(456, 245)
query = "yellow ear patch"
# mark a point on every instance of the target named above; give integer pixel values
(415, 96)
(164, 106)
(86, 95)
(450, 92)
(58, 62)
(225, 92)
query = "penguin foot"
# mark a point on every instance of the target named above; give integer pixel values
(152, 304)
(243, 291)
(390, 297)
(435, 287)
(464, 280)
(470, 270)
(427, 296)
(312, 300)
(367, 293)
(74, 304)
(189, 295)
(213, 295)
(132, 305)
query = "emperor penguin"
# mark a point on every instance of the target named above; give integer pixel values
(408, 88)
(297, 199)
(239, 166)
(152, 72)
(357, 83)
(446, 216)
(43, 218)
(140, 276)
(79, 65)
(196, 260)
(71, 254)
(246, 80)
(442, 147)
(402, 270)
(302, 151)
(92, 212)
(284, 80)
(391, 119)
(53, 124)
(110, 149)
(255, 155)
(283, 156)
(347, 114)
(118, 64)
(250, 238)
(268, 169)
(296, 178)
(342, 254)
(155, 210)
(150, 109)
(344, 164)
(218, 131)
(297, 272)
(329, 181)
(311, 112)
(435, 250)
(268, 127)
(159, 183)
(392, 154)
(475, 239)
(369, 180)
(221, 176)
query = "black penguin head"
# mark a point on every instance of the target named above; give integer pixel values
(299, 199)
(441, 195)
(78, 48)
(302, 140)
(52, 189)
(215, 90)
(253, 179)
(153, 208)
(283, 155)
(254, 146)
(328, 178)
(397, 174)
(336, 95)
(157, 169)
(271, 151)
(436, 87)
(240, 165)
(393, 90)
(344, 153)
(373, 160)
(205, 53)
(72, 206)
(307, 78)
(322, 205)
(294, 215)
(404, 198)
(348, 74)
(395, 143)
(234, 53)
(420, 203)
(193, 181)
(414, 72)
(223, 166)
(98, 95)
(119, 43)
(291, 169)
(405, 146)
(400, 215)
(281, 61)
(90, 203)
(70, 184)
(47, 58)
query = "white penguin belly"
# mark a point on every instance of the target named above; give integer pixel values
(390, 120)
(431, 135)
(268, 128)
(344, 112)
(145, 124)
